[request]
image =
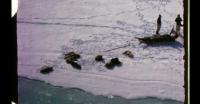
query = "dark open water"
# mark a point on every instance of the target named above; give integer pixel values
(38, 92)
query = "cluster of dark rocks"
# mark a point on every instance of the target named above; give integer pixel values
(72, 58)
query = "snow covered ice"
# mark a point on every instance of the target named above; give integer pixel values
(46, 29)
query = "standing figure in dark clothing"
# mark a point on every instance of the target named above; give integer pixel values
(178, 21)
(158, 24)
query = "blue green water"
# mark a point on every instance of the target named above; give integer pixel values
(37, 92)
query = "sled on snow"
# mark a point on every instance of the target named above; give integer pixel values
(157, 39)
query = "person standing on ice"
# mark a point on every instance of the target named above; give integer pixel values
(178, 21)
(158, 25)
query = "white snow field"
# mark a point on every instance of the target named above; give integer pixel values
(46, 29)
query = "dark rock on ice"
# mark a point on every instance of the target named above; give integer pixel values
(114, 62)
(46, 70)
(71, 56)
(99, 58)
(75, 65)
(129, 54)
(109, 66)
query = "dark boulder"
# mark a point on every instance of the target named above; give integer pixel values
(71, 56)
(46, 70)
(75, 65)
(99, 58)
(109, 66)
(114, 62)
(128, 54)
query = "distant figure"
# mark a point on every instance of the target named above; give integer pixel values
(178, 21)
(158, 24)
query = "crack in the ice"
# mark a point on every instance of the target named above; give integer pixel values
(65, 24)
(81, 18)
(77, 25)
